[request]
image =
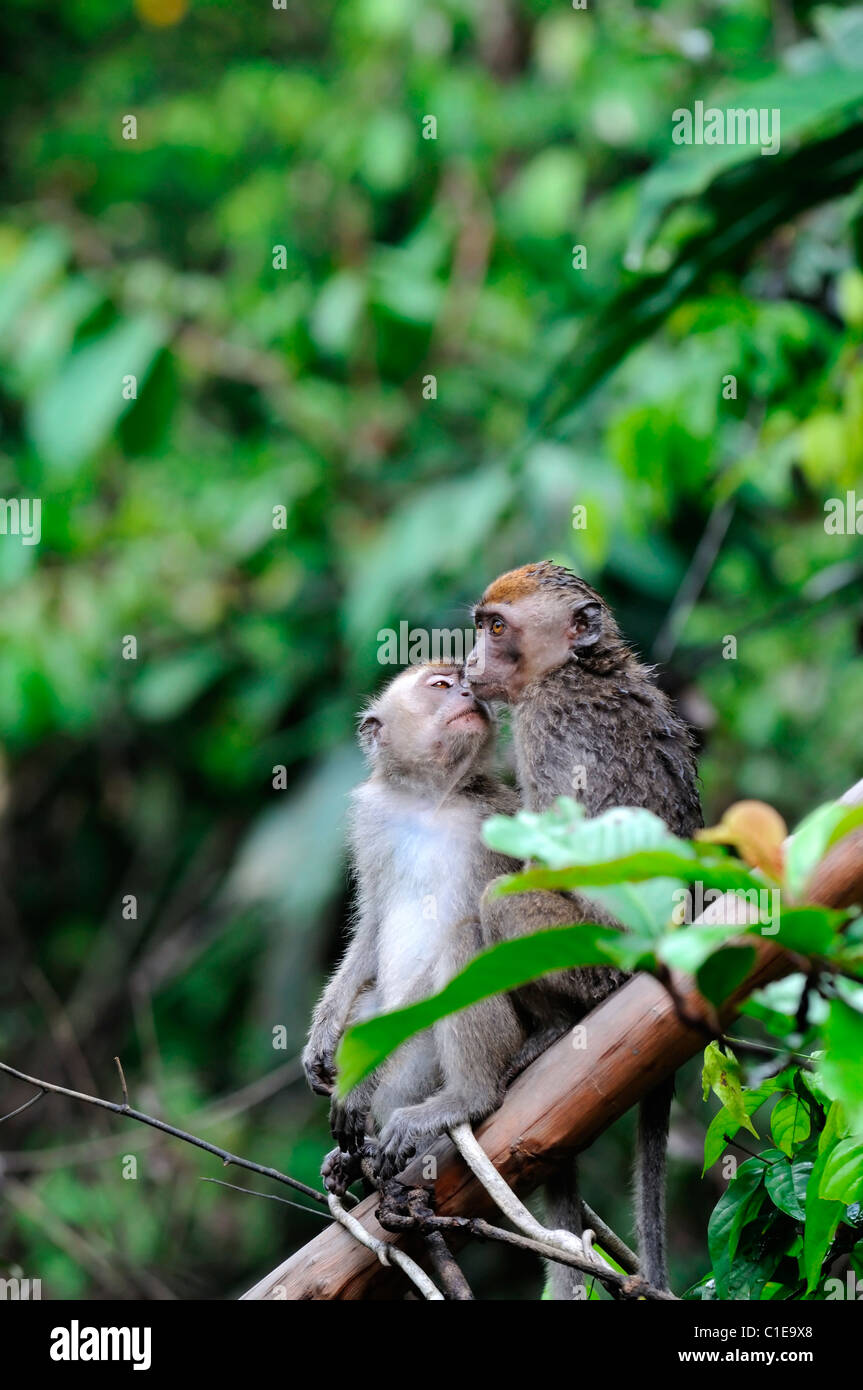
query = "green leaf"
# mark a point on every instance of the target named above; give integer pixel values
(810, 840)
(723, 875)
(688, 948)
(811, 930)
(835, 1127)
(73, 414)
(742, 1199)
(503, 967)
(842, 1178)
(786, 1185)
(822, 1219)
(723, 1126)
(719, 976)
(563, 837)
(721, 1075)
(758, 1258)
(739, 213)
(804, 100)
(840, 1069)
(789, 1122)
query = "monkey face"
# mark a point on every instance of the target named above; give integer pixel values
(427, 715)
(532, 631)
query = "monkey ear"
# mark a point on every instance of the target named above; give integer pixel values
(585, 628)
(369, 732)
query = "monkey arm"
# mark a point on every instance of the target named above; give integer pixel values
(354, 977)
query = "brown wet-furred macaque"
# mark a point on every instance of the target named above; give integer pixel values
(590, 723)
(420, 867)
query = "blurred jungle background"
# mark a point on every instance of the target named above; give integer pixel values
(304, 385)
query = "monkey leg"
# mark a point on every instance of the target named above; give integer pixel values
(475, 1048)
(566, 996)
(537, 1043)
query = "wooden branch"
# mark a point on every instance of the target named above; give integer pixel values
(563, 1102)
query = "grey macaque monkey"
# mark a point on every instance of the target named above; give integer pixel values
(589, 722)
(420, 867)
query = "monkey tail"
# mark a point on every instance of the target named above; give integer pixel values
(563, 1207)
(651, 1145)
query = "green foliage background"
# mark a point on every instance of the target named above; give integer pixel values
(302, 388)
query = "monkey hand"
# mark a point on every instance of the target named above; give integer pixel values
(349, 1116)
(339, 1170)
(319, 1061)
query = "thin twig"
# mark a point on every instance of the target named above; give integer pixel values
(267, 1196)
(123, 1083)
(25, 1106)
(108, 1146)
(611, 1241)
(387, 1254)
(226, 1157)
(760, 1049)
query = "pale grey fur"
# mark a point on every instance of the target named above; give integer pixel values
(420, 866)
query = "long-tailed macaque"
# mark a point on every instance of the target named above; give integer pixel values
(589, 722)
(420, 867)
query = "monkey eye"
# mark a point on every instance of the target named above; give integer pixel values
(441, 683)
(497, 627)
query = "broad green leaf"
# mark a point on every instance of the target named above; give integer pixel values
(721, 973)
(786, 1185)
(753, 1266)
(789, 1122)
(563, 837)
(835, 1127)
(842, 1177)
(822, 1218)
(810, 930)
(742, 1199)
(688, 948)
(840, 1069)
(722, 875)
(500, 968)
